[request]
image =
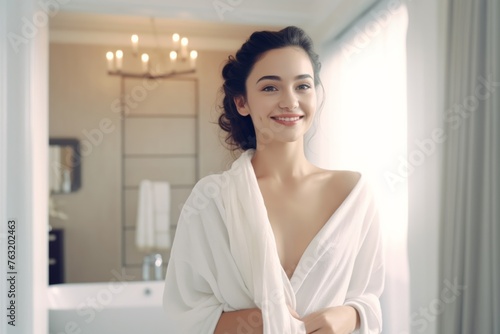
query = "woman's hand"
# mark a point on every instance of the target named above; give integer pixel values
(332, 320)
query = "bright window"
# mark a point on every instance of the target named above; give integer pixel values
(364, 122)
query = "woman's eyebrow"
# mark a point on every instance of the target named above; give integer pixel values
(278, 78)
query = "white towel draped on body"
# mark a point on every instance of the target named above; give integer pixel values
(224, 258)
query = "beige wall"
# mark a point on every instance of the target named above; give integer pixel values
(83, 104)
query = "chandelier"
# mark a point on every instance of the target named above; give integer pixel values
(180, 60)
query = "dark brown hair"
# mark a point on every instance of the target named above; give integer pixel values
(240, 129)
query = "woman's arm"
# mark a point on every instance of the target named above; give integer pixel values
(242, 321)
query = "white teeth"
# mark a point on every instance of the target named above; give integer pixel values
(288, 119)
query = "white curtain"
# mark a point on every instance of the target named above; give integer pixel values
(363, 127)
(470, 238)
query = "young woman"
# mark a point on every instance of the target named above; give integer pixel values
(275, 244)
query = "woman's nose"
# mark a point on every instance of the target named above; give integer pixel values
(289, 101)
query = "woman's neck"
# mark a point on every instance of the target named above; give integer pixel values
(281, 161)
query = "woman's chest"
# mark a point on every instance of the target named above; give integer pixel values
(296, 217)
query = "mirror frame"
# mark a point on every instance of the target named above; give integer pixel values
(75, 144)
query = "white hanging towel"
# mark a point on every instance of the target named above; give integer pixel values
(153, 216)
(55, 176)
(161, 196)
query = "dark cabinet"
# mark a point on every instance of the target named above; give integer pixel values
(56, 256)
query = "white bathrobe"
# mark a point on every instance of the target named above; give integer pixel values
(224, 258)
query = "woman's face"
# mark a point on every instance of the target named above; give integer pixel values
(281, 97)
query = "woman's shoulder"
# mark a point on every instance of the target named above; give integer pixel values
(341, 179)
(346, 177)
(203, 197)
(338, 185)
(210, 187)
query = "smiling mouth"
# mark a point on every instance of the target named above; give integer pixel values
(287, 119)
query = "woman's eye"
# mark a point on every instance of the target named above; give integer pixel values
(269, 89)
(304, 86)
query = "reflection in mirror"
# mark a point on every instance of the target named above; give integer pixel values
(168, 134)
(64, 165)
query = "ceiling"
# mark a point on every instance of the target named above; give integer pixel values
(210, 23)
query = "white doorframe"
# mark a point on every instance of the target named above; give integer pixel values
(3, 156)
(23, 163)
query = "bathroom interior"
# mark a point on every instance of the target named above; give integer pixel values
(163, 132)
(112, 132)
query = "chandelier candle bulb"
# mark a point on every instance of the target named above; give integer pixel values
(184, 44)
(110, 57)
(145, 62)
(173, 57)
(135, 43)
(175, 41)
(192, 58)
(119, 59)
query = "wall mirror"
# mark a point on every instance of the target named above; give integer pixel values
(64, 165)
(168, 131)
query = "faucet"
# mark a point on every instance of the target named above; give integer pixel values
(156, 260)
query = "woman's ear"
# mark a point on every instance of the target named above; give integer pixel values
(241, 106)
